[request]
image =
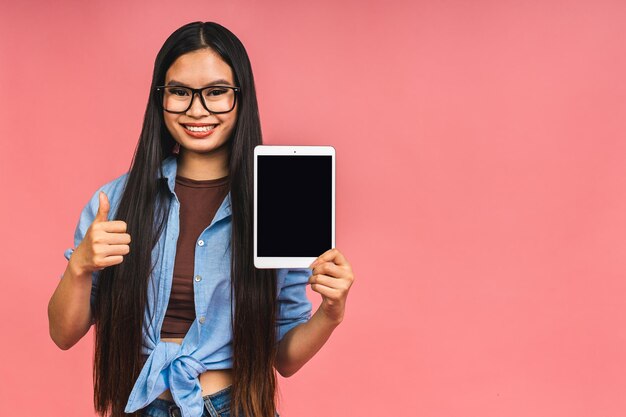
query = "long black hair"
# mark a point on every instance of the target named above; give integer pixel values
(122, 290)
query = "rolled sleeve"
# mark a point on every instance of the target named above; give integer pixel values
(294, 307)
(68, 253)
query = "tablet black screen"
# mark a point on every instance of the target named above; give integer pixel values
(294, 205)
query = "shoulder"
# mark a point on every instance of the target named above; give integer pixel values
(115, 187)
(114, 190)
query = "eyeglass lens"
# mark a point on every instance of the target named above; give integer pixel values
(216, 99)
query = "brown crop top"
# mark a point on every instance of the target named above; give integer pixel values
(199, 201)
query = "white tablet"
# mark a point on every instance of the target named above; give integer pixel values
(294, 204)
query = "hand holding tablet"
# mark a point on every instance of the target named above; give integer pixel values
(294, 205)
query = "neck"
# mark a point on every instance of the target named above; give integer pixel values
(203, 166)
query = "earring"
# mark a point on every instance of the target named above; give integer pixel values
(176, 148)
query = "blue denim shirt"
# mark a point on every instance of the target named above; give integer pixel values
(208, 343)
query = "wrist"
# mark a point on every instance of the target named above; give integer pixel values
(76, 271)
(328, 320)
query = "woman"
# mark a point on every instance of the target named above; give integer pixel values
(185, 325)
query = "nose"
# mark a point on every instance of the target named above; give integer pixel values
(197, 109)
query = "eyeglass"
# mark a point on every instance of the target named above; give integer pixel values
(215, 99)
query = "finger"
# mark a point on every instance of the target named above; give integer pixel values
(114, 226)
(331, 255)
(328, 268)
(115, 250)
(103, 208)
(110, 261)
(104, 249)
(332, 293)
(117, 239)
(327, 281)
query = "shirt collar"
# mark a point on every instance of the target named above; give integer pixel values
(168, 167)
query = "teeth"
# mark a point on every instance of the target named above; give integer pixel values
(199, 128)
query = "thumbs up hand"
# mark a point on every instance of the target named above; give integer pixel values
(105, 242)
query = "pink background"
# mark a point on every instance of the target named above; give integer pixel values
(481, 190)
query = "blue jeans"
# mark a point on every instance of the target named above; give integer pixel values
(215, 405)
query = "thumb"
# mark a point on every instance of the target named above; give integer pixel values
(103, 209)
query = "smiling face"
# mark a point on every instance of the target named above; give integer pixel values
(197, 130)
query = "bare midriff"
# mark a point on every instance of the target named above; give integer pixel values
(211, 381)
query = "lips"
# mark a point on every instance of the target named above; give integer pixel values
(199, 130)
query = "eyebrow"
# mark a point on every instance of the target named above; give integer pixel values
(216, 82)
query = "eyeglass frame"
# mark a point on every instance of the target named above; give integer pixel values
(161, 89)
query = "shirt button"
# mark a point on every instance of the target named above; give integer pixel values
(201, 320)
(198, 278)
(201, 242)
